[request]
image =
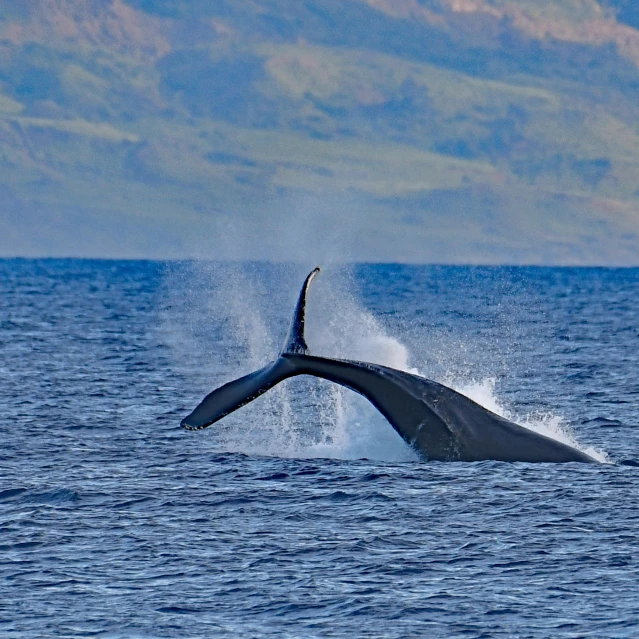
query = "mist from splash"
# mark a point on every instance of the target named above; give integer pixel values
(305, 417)
(553, 426)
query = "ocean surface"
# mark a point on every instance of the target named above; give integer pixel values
(303, 514)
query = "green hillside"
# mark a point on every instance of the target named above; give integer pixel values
(441, 130)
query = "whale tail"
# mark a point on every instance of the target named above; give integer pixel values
(295, 342)
(434, 419)
(239, 392)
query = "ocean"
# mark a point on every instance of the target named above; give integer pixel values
(304, 514)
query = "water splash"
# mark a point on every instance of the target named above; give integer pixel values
(544, 423)
(307, 417)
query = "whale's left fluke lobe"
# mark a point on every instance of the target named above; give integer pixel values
(235, 394)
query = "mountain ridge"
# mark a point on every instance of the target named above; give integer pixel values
(454, 130)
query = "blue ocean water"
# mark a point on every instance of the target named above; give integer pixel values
(303, 514)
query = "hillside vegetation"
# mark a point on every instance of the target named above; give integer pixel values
(435, 130)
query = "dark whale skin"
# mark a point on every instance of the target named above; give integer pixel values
(438, 422)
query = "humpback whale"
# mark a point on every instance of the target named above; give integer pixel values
(438, 422)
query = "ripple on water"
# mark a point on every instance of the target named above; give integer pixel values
(115, 523)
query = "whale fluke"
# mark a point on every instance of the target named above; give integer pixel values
(295, 341)
(235, 394)
(438, 422)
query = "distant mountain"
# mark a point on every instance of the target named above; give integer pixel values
(409, 130)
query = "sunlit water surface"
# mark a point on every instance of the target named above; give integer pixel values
(304, 514)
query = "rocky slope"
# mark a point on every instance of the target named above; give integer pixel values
(428, 130)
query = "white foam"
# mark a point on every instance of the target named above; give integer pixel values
(553, 426)
(306, 417)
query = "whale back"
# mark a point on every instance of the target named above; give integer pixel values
(438, 422)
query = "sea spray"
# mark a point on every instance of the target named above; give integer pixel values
(306, 417)
(483, 392)
(340, 327)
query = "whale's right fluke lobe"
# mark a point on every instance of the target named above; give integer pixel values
(295, 340)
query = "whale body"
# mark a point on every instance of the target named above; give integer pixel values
(438, 422)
